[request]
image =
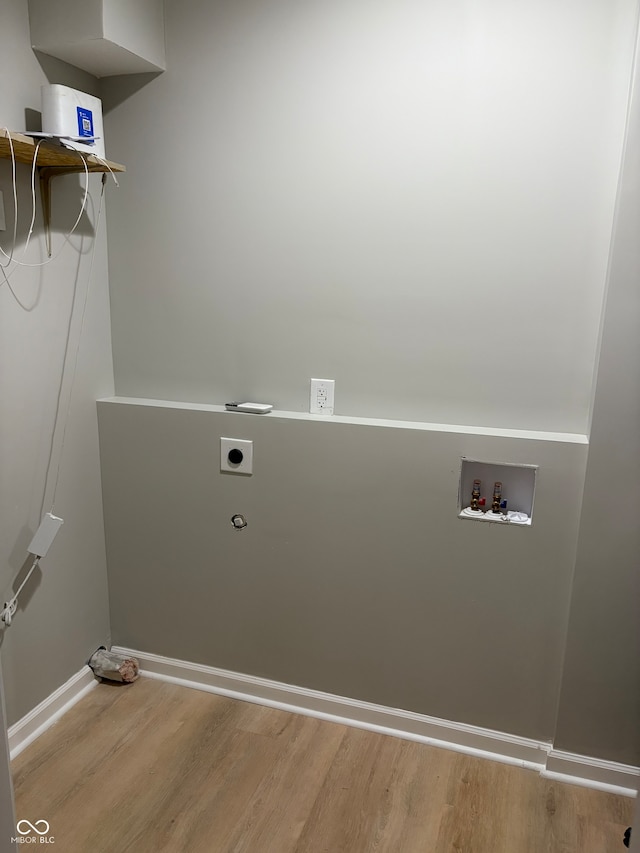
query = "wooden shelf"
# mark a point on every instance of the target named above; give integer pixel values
(53, 161)
(52, 155)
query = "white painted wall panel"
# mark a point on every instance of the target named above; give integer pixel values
(415, 199)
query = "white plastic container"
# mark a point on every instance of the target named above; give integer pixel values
(68, 112)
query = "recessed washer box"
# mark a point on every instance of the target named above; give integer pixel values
(518, 484)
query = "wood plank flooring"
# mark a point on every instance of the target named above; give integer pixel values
(156, 768)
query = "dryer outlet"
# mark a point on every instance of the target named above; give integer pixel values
(236, 456)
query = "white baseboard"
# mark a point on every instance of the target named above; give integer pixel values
(471, 740)
(44, 715)
(459, 737)
(592, 773)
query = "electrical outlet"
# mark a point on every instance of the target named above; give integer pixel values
(236, 456)
(321, 397)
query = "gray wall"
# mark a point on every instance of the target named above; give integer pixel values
(414, 199)
(63, 613)
(417, 202)
(7, 814)
(600, 704)
(354, 576)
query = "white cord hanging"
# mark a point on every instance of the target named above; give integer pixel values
(10, 607)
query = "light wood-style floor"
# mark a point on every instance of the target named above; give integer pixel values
(153, 767)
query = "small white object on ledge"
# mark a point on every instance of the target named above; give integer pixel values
(497, 518)
(253, 408)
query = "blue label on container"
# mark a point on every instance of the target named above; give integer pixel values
(85, 122)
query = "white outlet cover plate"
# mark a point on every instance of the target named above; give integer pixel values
(245, 447)
(321, 396)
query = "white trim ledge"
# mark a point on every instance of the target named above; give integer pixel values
(49, 711)
(425, 426)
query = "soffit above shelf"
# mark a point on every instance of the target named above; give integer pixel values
(104, 37)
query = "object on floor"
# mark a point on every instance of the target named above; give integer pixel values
(114, 667)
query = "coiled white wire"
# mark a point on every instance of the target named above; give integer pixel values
(10, 255)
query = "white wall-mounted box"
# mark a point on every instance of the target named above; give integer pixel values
(68, 112)
(518, 484)
(104, 37)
